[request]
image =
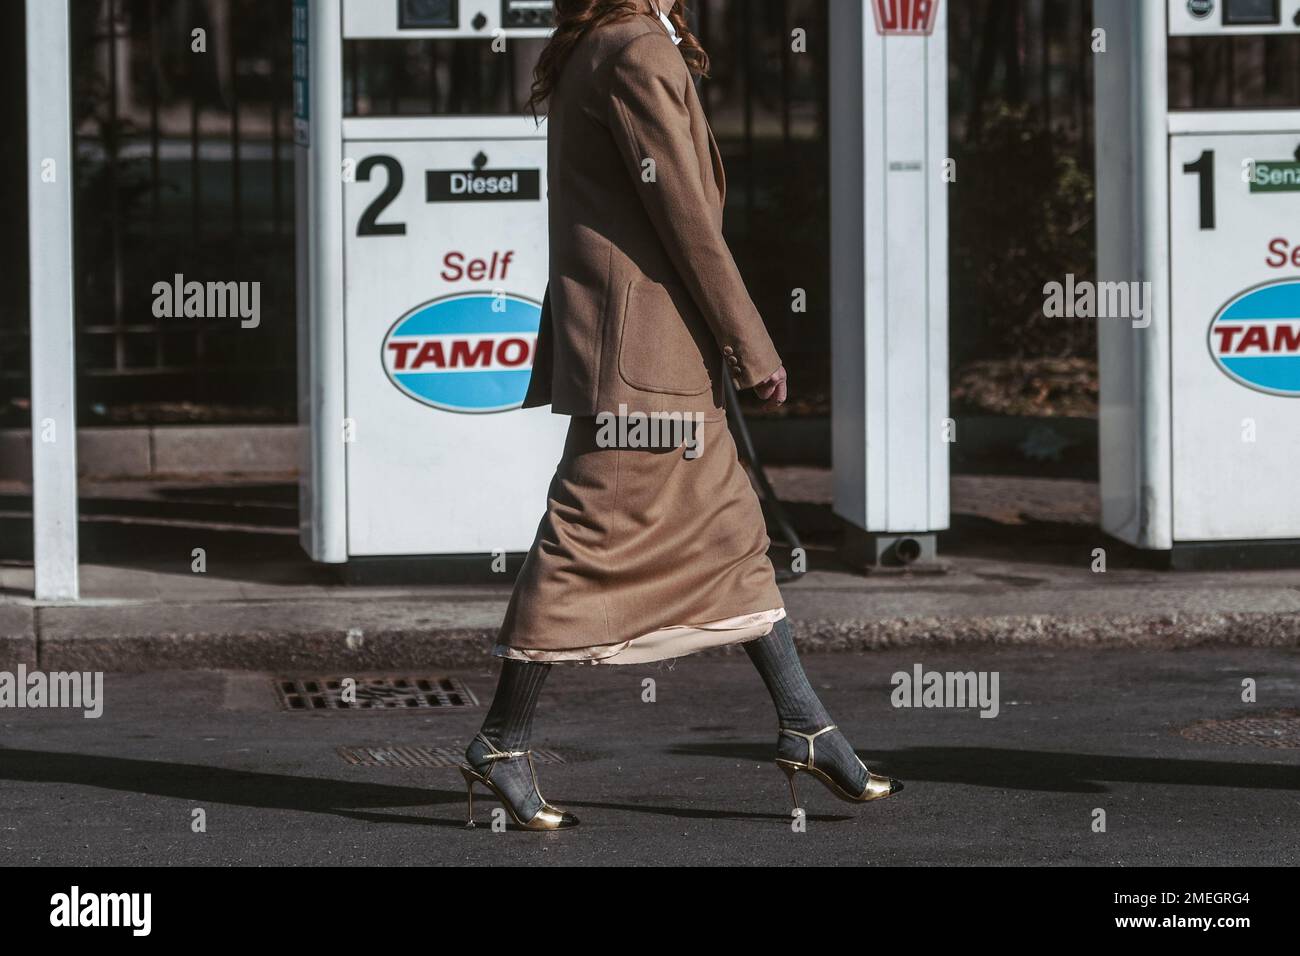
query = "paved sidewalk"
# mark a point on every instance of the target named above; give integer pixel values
(1019, 557)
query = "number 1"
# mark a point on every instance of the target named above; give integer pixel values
(1204, 168)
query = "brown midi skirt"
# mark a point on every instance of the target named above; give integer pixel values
(644, 554)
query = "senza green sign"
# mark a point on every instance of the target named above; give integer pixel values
(1275, 176)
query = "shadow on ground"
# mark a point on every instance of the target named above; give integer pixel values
(1003, 769)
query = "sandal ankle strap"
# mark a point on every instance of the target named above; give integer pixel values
(810, 738)
(807, 737)
(496, 754)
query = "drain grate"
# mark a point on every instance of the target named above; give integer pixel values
(1279, 729)
(415, 757)
(374, 693)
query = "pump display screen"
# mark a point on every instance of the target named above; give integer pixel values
(426, 14)
(1240, 13)
(525, 13)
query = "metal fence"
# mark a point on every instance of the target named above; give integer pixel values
(14, 360)
(1021, 211)
(184, 166)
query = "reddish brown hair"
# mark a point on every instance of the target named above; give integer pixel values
(573, 18)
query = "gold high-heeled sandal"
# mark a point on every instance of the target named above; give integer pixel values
(877, 787)
(547, 818)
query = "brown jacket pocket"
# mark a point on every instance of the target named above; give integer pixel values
(658, 352)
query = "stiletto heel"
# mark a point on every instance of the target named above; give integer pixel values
(877, 787)
(469, 787)
(790, 772)
(546, 818)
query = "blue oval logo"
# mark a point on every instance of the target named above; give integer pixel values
(1255, 338)
(468, 352)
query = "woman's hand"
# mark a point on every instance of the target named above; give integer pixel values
(772, 389)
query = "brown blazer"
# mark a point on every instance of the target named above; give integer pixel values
(644, 305)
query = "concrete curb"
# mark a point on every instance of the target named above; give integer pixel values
(248, 636)
(1148, 632)
(17, 635)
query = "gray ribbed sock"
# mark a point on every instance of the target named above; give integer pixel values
(799, 708)
(509, 721)
(509, 726)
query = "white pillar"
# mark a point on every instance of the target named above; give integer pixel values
(1134, 365)
(318, 184)
(54, 370)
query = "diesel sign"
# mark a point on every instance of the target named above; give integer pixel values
(481, 185)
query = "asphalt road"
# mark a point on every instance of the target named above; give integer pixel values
(686, 779)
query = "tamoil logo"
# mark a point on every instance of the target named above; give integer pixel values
(468, 352)
(1255, 338)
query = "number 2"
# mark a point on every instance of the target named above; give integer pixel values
(370, 224)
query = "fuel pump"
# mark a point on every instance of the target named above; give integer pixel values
(422, 262)
(1198, 218)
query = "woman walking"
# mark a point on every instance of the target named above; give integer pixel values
(645, 553)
